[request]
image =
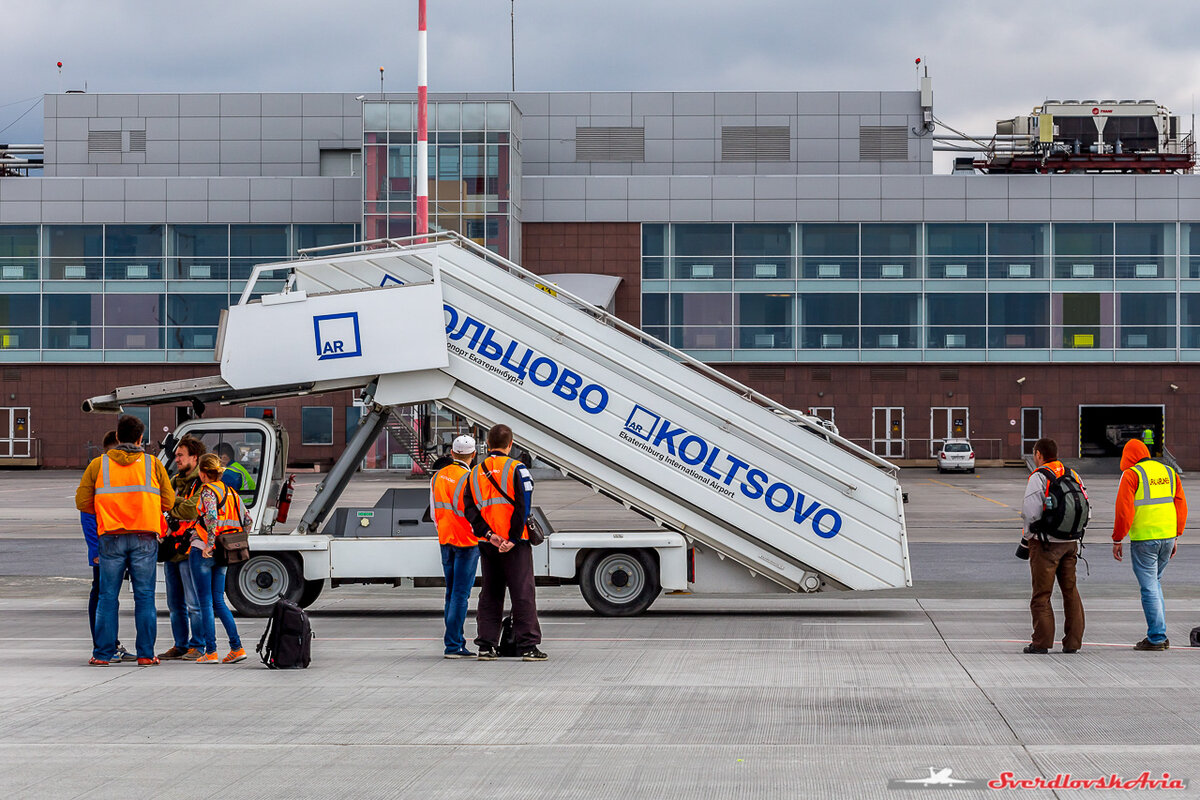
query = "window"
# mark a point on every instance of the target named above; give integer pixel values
(323, 235)
(18, 252)
(829, 251)
(702, 321)
(765, 321)
(73, 252)
(256, 244)
(890, 251)
(654, 251)
(830, 321)
(1145, 250)
(199, 251)
(1018, 250)
(316, 425)
(1146, 319)
(142, 413)
(260, 412)
(1017, 321)
(955, 320)
(891, 320)
(763, 251)
(1083, 250)
(956, 251)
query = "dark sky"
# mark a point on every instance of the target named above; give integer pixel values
(988, 60)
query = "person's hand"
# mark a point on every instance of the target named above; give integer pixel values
(505, 546)
(1174, 549)
(207, 552)
(1118, 551)
(96, 560)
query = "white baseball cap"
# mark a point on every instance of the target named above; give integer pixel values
(463, 446)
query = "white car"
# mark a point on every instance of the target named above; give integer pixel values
(956, 454)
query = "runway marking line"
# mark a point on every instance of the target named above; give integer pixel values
(968, 491)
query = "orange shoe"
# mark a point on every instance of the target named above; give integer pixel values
(208, 658)
(235, 656)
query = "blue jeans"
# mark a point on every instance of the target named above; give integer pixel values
(221, 610)
(137, 553)
(1150, 557)
(202, 577)
(181, 601)
(458, 565)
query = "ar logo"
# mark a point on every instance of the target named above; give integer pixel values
(337, 336)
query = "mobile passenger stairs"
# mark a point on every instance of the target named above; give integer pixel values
(722, 470)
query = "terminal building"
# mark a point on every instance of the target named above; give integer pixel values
(799, 241)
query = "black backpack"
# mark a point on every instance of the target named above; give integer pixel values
(1066, 510)
(287, 641)
(508, 645)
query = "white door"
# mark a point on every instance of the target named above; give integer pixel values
(887, 432)
(15, 422)
(947, 423)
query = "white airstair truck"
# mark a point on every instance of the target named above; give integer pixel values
(746, 495)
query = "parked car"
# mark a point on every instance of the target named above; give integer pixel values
(956, 454)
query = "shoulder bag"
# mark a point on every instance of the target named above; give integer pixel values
(536, 534)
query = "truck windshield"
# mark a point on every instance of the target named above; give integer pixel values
(240, 452)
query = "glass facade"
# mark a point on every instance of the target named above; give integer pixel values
(473, 164)
(1011, 291)
(132, 292)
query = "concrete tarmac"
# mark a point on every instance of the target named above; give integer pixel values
(839, 695)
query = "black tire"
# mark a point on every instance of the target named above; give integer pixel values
(619, 583)
(312, 590)
(971, 470)
(254, 585)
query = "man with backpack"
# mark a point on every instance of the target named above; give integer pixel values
(1152, 510)
(1055, 511)
(497, 502)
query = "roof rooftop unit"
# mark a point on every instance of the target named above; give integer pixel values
(1137, 136)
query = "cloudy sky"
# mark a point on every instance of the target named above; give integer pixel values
(988, 59)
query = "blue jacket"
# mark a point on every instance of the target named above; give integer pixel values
(92, 535)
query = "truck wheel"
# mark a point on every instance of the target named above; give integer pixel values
(255, 584)
(312, 590)
(619, 583)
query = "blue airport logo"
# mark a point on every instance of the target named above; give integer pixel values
(337, 336)
(641, 422)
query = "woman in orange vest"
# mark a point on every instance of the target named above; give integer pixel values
(460, 548)
(220, 511)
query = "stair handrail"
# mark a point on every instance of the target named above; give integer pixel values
(453, 237)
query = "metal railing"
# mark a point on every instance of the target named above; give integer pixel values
(453, 237)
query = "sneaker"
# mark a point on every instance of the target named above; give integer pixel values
(533, 654)
(148, 662)
(174, 654)
(191, 654)
(235, 656)
(488, 654)
(1146, 644)
(98, 662)
(208, 658)
(1035, 651)
(122, 654)
(463, 653)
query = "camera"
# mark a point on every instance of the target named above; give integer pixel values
(1023, 550)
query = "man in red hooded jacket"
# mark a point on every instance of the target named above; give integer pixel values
(1152, 510)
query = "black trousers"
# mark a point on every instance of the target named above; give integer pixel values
(512, 571)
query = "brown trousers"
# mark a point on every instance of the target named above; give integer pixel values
(1046, 563)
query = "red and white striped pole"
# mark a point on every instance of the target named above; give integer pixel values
(422, 223)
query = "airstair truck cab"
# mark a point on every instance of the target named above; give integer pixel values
(714, 463)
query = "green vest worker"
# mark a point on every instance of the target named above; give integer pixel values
(1148, 439)
(245, 483)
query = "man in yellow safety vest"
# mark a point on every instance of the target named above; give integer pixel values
(1152, 510)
